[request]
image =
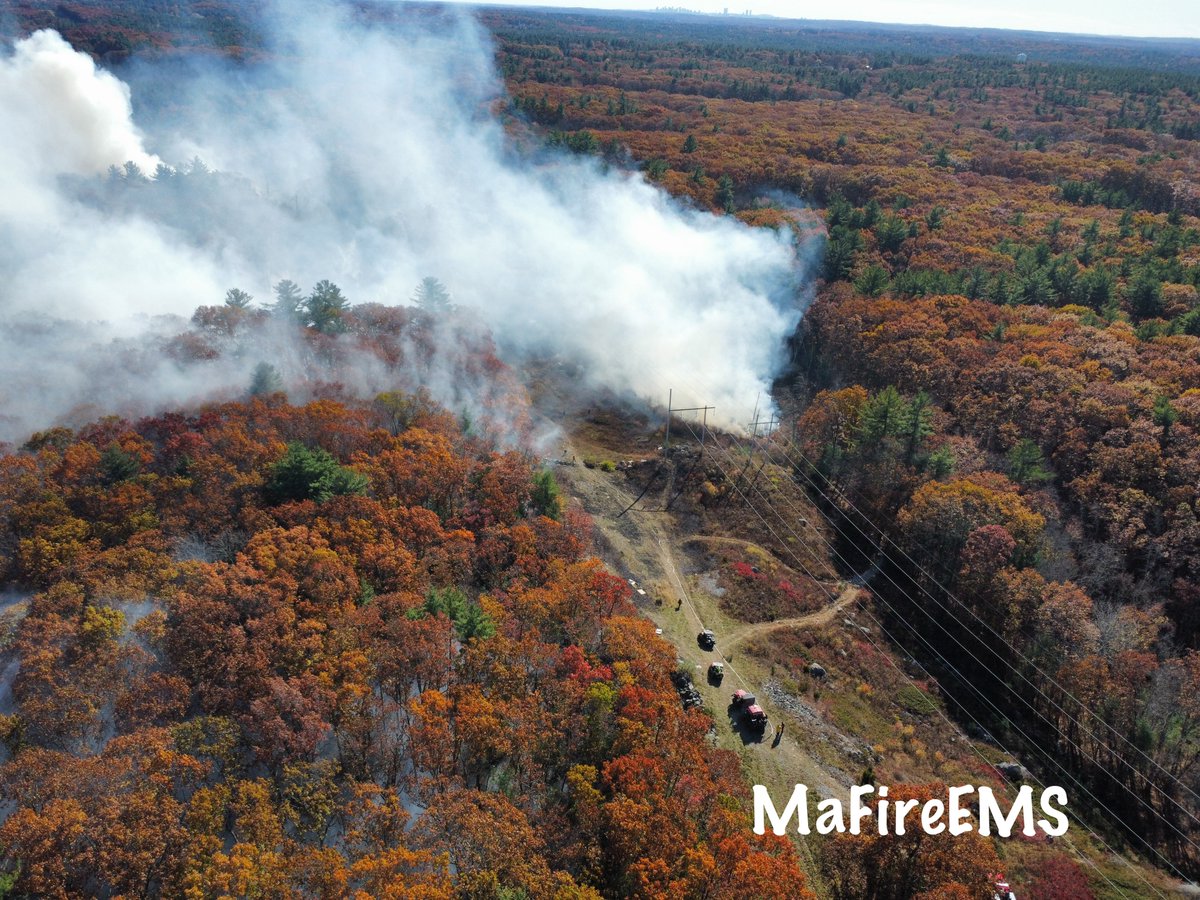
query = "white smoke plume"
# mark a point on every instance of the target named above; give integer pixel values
(369, 155)
(62, 114)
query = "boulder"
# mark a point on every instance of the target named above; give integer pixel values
(1012, 771)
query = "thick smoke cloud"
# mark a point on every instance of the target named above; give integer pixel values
(62, 114)
(372, 156)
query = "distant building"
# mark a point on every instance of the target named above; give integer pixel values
(1022, 57)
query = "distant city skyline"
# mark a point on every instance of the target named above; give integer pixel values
(1156, 18)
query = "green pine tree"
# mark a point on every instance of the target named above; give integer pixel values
(325, 307)
(238, 299)
(431, 296)
(725, 196)
(884, 419)
(918, 424)
(1026, 464)
(288, 299)
(304, 474)
(546, 499)
(1165, 416)
(265, 380)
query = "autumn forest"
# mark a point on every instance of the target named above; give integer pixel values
(435, 639)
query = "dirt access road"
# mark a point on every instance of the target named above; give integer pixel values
(649, 546)
(645, 544)
(818, 619)
(747, 631)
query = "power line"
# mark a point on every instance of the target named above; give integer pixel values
(1045, 754)
(676, 409)
(939, 655)
(1006, 662)
(1048, 756)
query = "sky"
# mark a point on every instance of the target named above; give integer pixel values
(1147, 18)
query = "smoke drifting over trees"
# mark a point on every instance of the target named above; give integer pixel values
(371, 156)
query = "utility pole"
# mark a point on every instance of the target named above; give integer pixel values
(670, 486)
(667, 433)
(768, 426)
(684, 409)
